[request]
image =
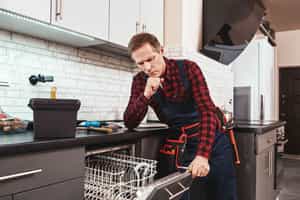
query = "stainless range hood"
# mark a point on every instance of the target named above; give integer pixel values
(18, 23)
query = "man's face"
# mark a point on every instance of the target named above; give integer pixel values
(149, 60)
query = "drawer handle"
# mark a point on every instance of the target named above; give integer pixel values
(19, 175)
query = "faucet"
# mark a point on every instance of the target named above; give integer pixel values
(40, 78)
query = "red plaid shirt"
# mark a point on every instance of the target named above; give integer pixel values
(172, 87)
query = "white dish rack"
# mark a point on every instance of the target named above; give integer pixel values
(115, 176)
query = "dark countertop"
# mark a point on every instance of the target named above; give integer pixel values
(257, 127)
(25, 142)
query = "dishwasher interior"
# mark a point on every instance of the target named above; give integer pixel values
(116, 173)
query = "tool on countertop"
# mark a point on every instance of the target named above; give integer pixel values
(100, 126)
(98, 129)
(92, 124)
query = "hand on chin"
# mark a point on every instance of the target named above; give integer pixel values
(154, 74)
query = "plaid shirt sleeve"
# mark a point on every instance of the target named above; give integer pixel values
(138, 103)
(209, 121)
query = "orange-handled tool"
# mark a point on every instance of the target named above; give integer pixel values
(101, 129)
(235, 149)
(98, 129)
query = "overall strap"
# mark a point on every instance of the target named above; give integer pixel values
(183, 75)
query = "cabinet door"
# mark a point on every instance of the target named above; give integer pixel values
(70, 190)
(262, 175)
(265, 174)
(38, 9)
(6, 198)
(124, 21)
(32, 170)
(88, 17)
(152, 17)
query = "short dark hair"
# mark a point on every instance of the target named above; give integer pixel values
(140, 39)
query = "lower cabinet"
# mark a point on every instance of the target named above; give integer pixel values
(255, 174)
(6, 198)
(69, 190)
(56, 174)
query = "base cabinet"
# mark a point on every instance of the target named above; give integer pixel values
(69, 190)
(56, 174)
(255, 174)
(6, 198)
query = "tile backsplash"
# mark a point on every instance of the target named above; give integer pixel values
(100, 81)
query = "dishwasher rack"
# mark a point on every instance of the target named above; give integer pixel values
(116, 176)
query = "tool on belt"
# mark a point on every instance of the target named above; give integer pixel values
(226, 120)
(235, 148)
(175, 148)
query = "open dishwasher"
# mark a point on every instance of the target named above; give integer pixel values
(115, 173)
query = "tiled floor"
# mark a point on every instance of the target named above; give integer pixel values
(290, 183)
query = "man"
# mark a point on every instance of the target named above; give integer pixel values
(178, 94)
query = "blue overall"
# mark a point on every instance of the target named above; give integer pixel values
(220, 184)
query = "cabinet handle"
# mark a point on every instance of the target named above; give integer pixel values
(58, 10)
(61, 9)
(19, 175)
(137, 27)
(270, 163)
(144, 28)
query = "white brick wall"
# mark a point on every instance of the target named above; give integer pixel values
(100, 81)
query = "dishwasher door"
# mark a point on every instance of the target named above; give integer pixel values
(111, 175)
(171, 187)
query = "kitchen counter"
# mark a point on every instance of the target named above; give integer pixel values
(257, 127)
(25, 142)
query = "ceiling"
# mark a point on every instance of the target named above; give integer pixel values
(283, 14)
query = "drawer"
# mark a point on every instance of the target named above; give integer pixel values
(27, 171)
(69, 190)
(6, 198)
(264, 141)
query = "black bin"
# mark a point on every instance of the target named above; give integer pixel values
(54, 118)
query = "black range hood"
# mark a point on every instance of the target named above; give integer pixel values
(228, 27)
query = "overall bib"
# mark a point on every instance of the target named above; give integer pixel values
(180, 147)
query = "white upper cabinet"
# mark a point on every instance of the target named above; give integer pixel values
(152, 18)
(113, 20)
(38, 9)
(88, 17)
(130, 17)
(124, 20)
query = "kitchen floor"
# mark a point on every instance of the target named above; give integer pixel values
(291, 178)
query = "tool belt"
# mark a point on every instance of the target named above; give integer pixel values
(174, 147)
